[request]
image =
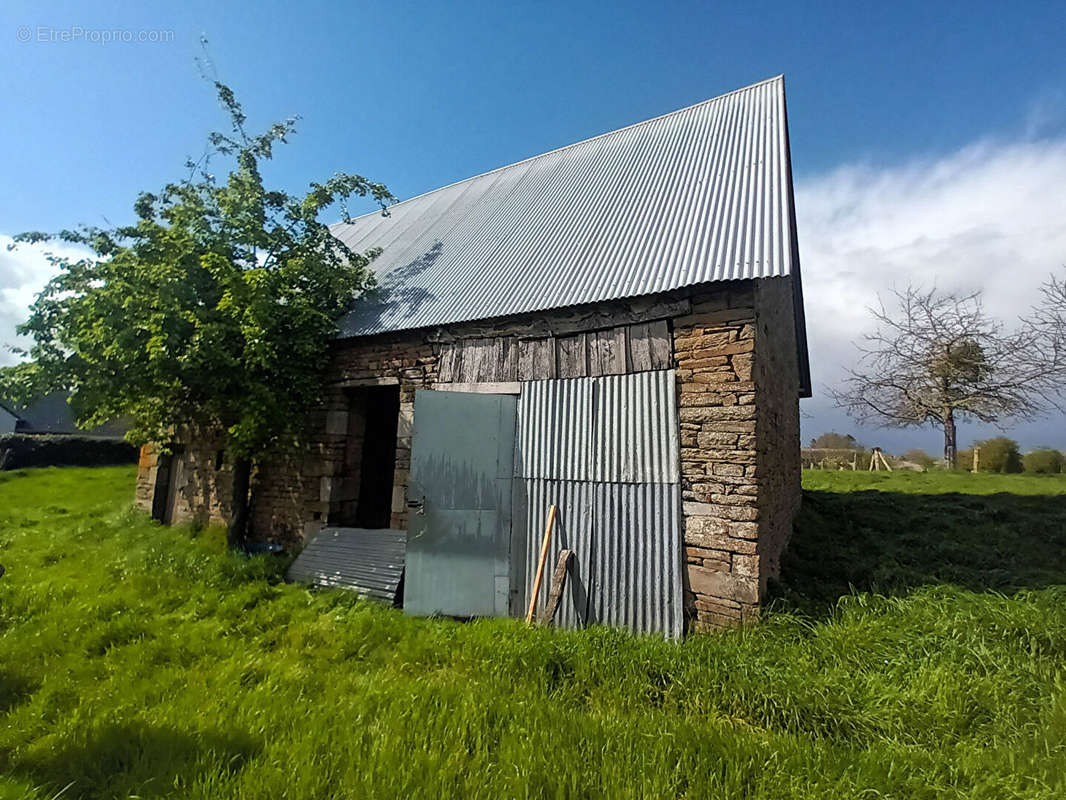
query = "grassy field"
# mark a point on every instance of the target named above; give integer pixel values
(917, 649)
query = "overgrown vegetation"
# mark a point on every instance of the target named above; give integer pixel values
(215, 308)
(150, 662)
(894, 533)
(1044, 460)
(19, 450)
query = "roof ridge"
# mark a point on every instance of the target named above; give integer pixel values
(776, 78)
(10, 411)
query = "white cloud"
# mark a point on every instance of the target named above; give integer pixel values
(991, 216)
(23, 273)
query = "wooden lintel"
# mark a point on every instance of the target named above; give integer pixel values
(488, 387)
(354, 383)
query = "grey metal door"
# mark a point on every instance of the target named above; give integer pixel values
(459, 504)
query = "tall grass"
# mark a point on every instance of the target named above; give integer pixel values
(139, 661)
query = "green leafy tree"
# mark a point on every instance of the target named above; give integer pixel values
(835, 441)
(214, 309)
(999, 454)
(1044, 460)
(21, 384)
(919, 457)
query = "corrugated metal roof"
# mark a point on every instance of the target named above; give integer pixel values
(366, 561)
(697, 195)
(617, 428)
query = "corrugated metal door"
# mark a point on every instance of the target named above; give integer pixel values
(459, 504)
(605, 452)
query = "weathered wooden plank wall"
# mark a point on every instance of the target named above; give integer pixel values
(617, 350)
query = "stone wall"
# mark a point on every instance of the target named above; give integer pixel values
(147, 474)
(777, 424)
(204, 486)
(738, 389)
(714, 348)
(296, 492)
(734, 349)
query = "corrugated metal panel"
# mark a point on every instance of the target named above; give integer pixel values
(636, 428)
(637, 557)
(619, 428)
(626, 539)
(605, 452)
(697, 195)
(367, 561)
(555, 429)
(575, 501)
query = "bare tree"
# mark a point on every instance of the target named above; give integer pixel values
(1048, 326)
(937, 359)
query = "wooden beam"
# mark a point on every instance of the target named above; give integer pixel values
(545, 545)
(599, 316)
(558, 584)
(357, 382)
(489, 387)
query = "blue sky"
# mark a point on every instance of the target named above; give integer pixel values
(935, 105)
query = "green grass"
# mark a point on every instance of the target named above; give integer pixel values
(895, 533)
(138, 661)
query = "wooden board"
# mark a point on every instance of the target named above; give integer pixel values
(564, 322)
(572, 352)
(558, 584)
(616, 350)
(660, 346)
(602, 359)
(639, 348)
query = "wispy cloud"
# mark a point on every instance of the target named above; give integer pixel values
(23, 273)
(991, 216)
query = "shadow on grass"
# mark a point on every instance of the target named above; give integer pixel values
(131, 759)
(893, 542)
(15, 689)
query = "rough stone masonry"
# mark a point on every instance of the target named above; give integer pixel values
(734, 349)
(739, 416)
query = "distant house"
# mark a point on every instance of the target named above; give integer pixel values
(52, 414)
(50, 438)
(614, 328)
(9, 420)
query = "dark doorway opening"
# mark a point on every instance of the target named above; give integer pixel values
(167, 476)
(162, 487)
(369, 458)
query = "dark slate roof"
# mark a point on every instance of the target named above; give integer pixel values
(52, 414)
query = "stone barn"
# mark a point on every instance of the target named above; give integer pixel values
(614, 328)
